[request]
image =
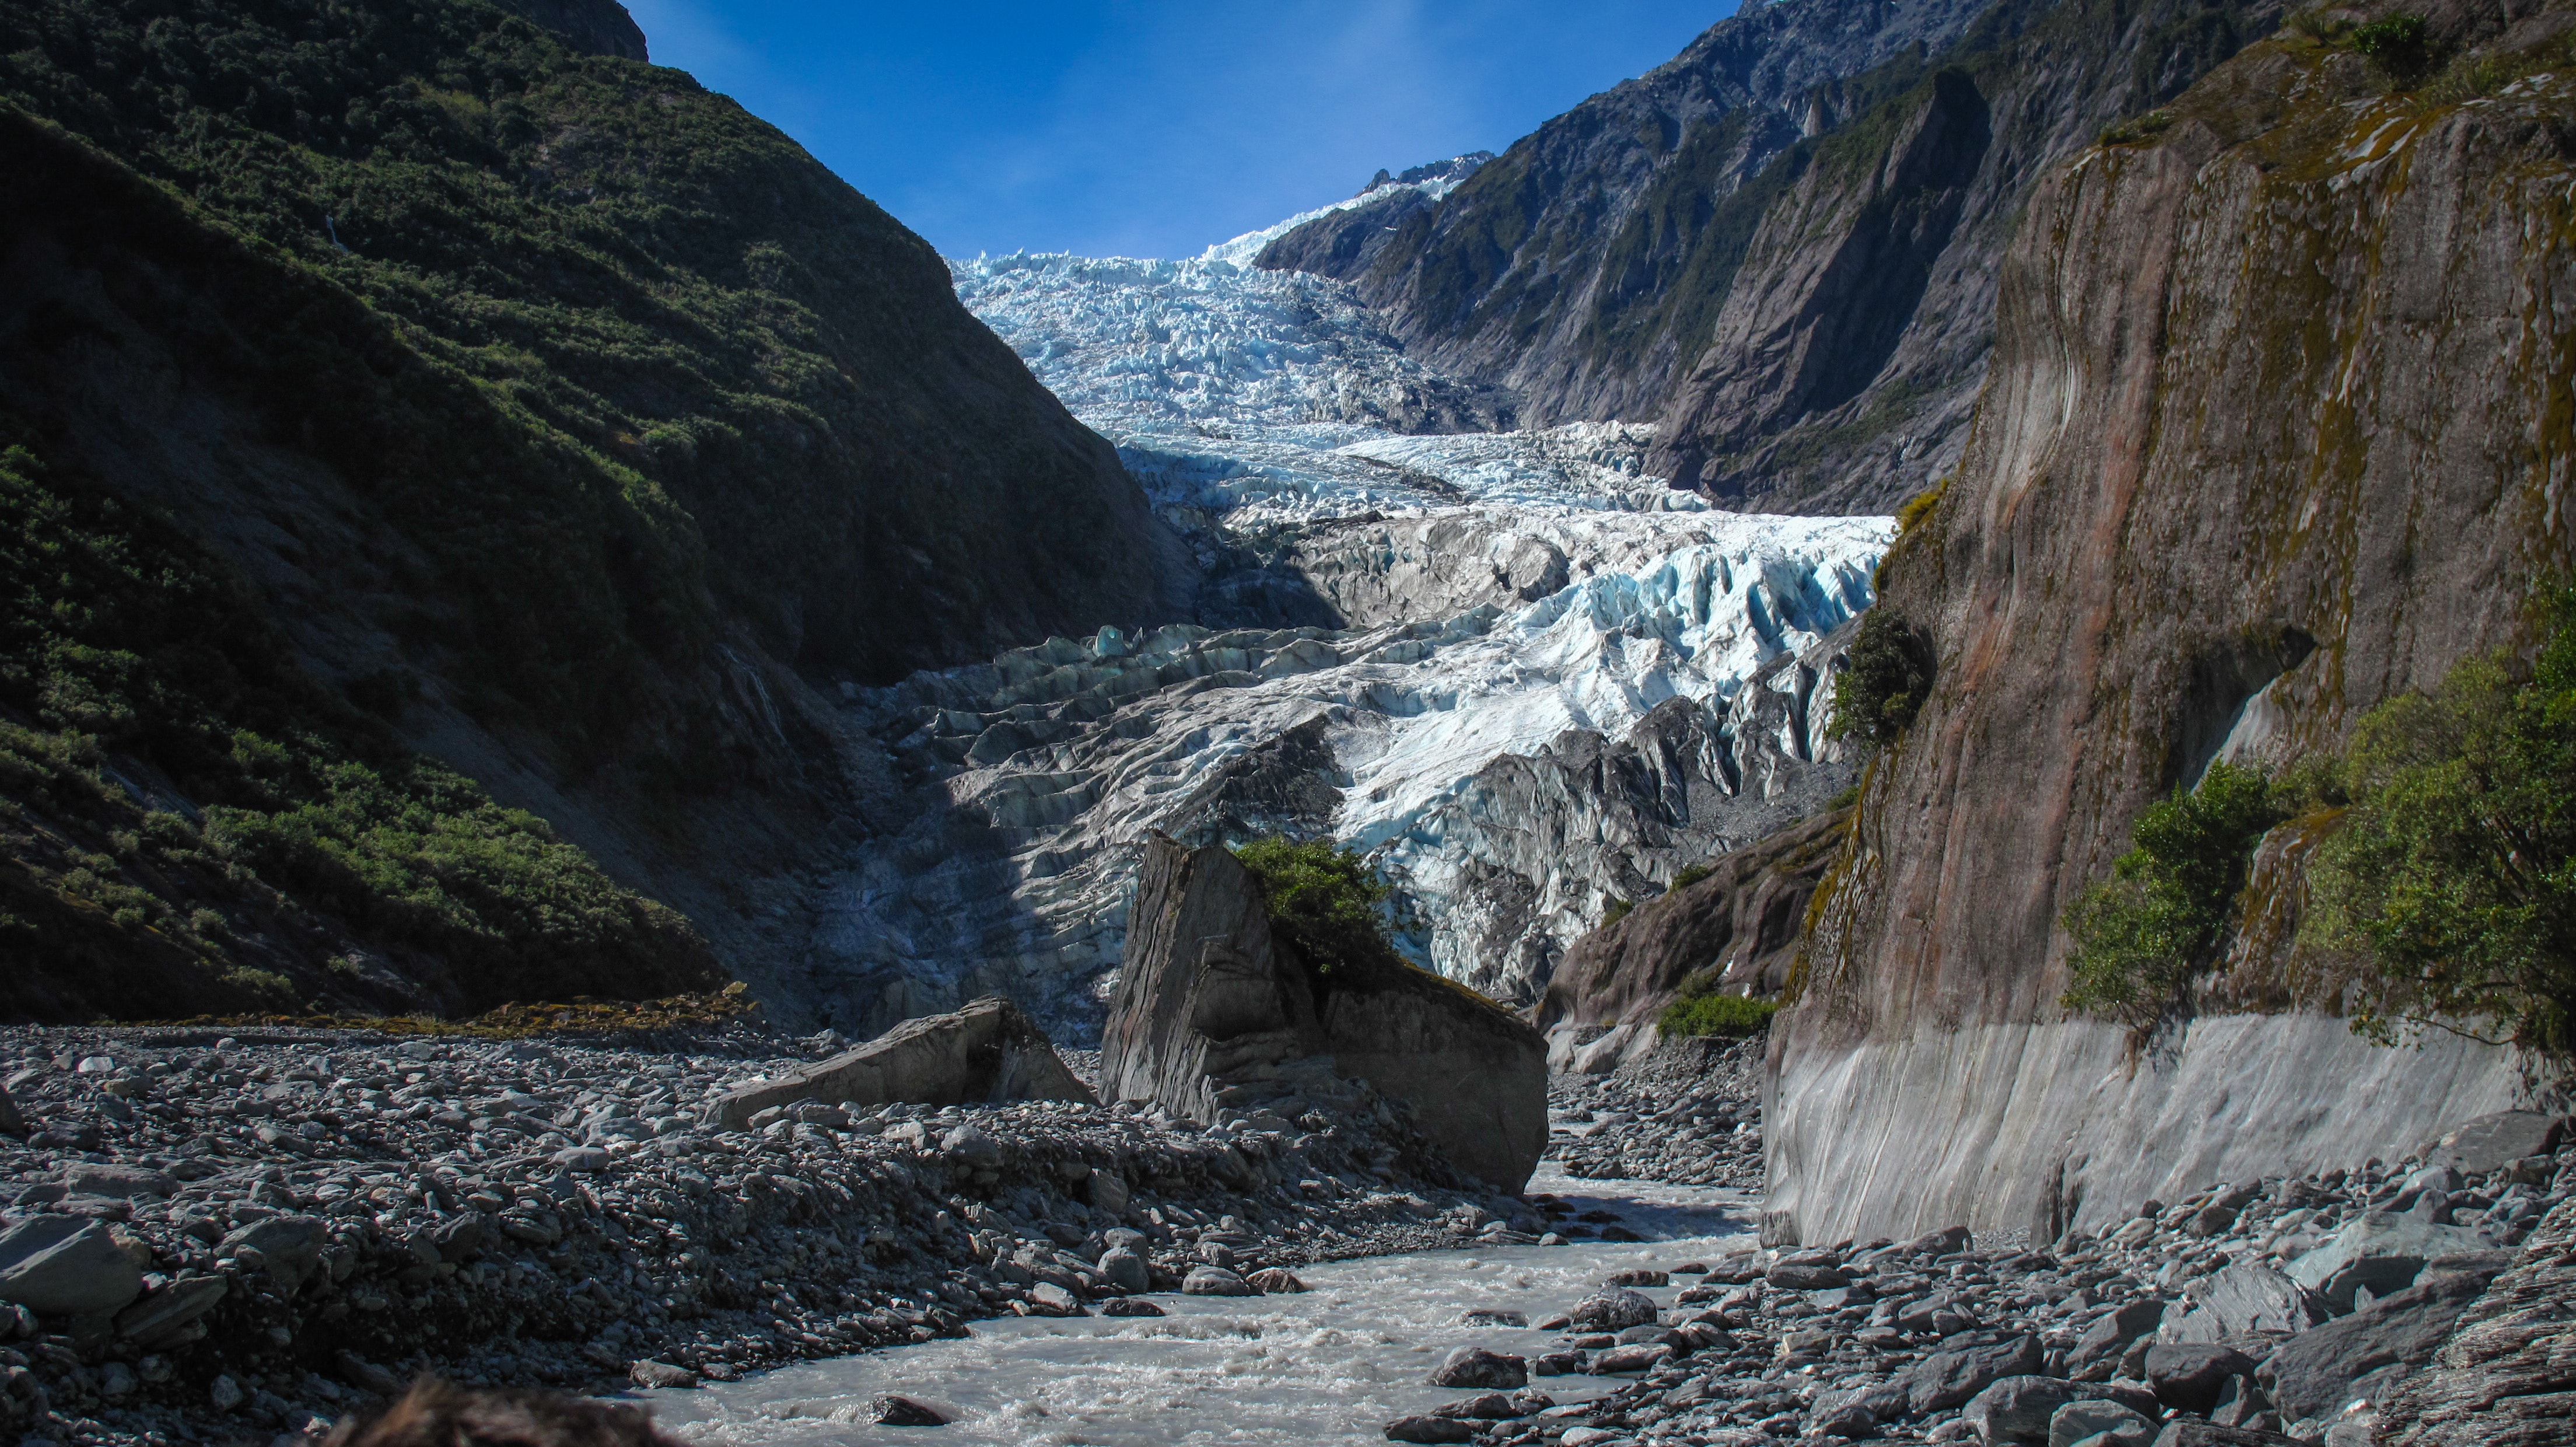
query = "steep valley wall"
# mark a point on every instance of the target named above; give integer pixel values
(2277, 426)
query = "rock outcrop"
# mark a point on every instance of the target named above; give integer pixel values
(2275, 429)
(598, 27)
(1211, 1005)
(989, 1051)
(2507, 1375)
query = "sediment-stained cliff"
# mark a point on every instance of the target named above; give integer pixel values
(2276, 427)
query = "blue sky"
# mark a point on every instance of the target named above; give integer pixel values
(1151, 127)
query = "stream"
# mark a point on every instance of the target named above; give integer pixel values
(1333, 1365)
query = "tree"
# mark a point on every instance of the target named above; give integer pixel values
(2163, 915)
(1322, 900)
(2454, 873)
(1884, 679)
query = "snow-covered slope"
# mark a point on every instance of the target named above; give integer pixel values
(1537, 679)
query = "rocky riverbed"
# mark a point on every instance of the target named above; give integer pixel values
(1688, 1113)
(234, 1237)
(231, 1236)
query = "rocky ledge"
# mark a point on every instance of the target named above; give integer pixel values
(214, 1237)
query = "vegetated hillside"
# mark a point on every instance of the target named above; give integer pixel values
(2277, 428)
(537, 408)
(1780, 244)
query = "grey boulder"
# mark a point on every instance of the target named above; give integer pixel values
(1125, 1270)
(1477, 1367)
(2100, 1424)
(2382, 1252)
(1614, 1310)
(93, 1179)
(66, 1266)
(2492, 1142)
(164, 1315)
(988, 1051)
(290, 1247)
(2245, 1299)
(1948, 1379)
(2188, 1376)
(2018, 1409)
(2314, 1372)
(1215, 1281)
(1427, 1427)
(11, 1122)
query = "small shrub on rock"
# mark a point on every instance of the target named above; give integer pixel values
(1324, 901)
(1885, 680)
(2163, 914)
(1734, 1016)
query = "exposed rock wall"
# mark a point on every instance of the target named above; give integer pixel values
(2507, 1376)
(2277, 407)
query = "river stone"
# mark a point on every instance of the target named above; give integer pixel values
(583, 1158)
(1949, 1378)
(1130, 1306)
(1557, 1364)
(167, 1312)
(966, 1145)
(2382, 1252)
(1789, 1277)
(1642, 1357)
(2192, 1432)
(11, 1122)
(1124, 1269)
(2103, 1424)
(290, 1246)
(1849, 1419)
(660, 1374)
(1492, 1406)
(91, 1179)
(1215, 1281)
(1637, 1276)
(66, 1266)
(2018, 1409)
(893, 1410)
(1275, 1281)
(990, 1050)
(1429, 1428)
(1612, 1310)
(1208, 989)
(2106, 1339)
(2313, 1373)
(2245, 1299)
(2492, 1142)
(1477, 1367)
(2188, 1376)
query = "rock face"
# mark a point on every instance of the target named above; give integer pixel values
(989, 1051)
(2506, 1377)
(1780, 243)
(2149, 431)
(1209, 1003)
(1735, 929)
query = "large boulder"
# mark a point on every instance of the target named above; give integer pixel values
(2314, 1373)
(2241, 1300)
(988, 1051)
(66, 1266)
(1207, 995)
(2507, 1375)
(2491, 1142)
(2382, 1251)
(1950, 1377)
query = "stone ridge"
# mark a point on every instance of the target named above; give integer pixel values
(597, 27)
(2211, 404)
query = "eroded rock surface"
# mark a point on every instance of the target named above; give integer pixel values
(989, 1051)
(1214, 1013)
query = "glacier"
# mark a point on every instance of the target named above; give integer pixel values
(1525, 677)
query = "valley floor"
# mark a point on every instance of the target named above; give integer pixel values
(258, 1232)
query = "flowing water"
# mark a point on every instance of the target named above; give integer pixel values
(1330, 1366)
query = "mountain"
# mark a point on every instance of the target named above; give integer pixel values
(2276, 428)
(462, 424)
(1778, 246)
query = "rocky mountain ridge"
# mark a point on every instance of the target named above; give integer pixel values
(1776, 246)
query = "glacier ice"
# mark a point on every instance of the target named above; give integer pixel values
(1549, 679)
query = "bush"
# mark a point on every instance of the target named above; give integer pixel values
(2164, 913)
(2454, 873)
(1730, 1015)
(1324, 901)
(2398, 45)
(1615, 911)
(1884, 681)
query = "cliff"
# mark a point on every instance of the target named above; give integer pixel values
(2276, 427)
(550, 420)
(1779, 244)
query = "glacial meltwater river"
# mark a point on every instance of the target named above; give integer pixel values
(1330, 1366)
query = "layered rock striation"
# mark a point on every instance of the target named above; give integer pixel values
(1216, 1014)
(2274, 430)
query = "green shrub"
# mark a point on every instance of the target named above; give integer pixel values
(2164, 913)
(1849, 796)
(1615, 911)
(1324, 901)
(2454, 873)
(1731, 1015)
(1884, 681)
(2398, 45)
(1690, 875)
